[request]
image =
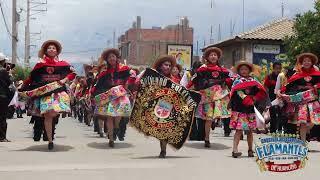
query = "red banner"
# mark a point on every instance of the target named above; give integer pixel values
(283, 167)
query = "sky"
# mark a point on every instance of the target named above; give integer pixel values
(85, 27)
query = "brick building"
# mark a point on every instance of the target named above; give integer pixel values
(141, 46)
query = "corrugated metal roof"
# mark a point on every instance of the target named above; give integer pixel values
(274, 30)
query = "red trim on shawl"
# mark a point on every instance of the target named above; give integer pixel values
(176, 79)
(244, 85)
(303, 74)
(120, 68)
(50, 62)
(300, 75)
(112, 70)
(71, 76)
(211, 68)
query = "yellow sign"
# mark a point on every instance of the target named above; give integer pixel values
(182, 53)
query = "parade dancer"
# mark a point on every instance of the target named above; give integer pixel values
(113, 99)
(73, 88)
(125, 120)
(302, 93)
(100, 124)
(163, 109)
(80, 96)
(50, 69)
(198, 126)
(88, 113)
(212, 80)
(175, 74)
(164, 66)
(245, 93)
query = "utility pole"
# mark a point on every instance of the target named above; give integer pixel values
(27, 38)
(243, 17)
(232, 26)
(282, 9)
(197, 47)
(219, 33)
(114, 38)
(211, 35)
(14, 32)
(212, 4)
(27, 27)
(137, 44)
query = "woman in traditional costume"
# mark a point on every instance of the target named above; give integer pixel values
(111, 94)
(301, 92)
(245, 93)
(175, 74)
(212, 80)
(164, 65)
(49, 101)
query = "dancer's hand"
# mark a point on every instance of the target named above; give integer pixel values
(23, 94)
(64, 81)
(284, 97)
(248, 101)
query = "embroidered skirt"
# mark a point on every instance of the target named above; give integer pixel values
(57, 102)
(243, 121)
(306, 108)
(214, 104)
(115, 103)
(308, 113)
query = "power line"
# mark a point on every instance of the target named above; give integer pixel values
(5, 22)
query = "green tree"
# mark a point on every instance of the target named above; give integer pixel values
(21, 73)
(307, 34)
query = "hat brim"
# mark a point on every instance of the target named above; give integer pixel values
(312, 56)
(45, 46)
(105, 54)
(244, 63)
(163, 59)
(208, 51)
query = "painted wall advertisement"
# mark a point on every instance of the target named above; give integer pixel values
(182, 53)
(268, 53)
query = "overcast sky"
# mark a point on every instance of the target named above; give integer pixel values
(86, 26)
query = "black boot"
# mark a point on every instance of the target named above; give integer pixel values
(50, 146)
(96, 124)
(37, 127)
(111, 144)
(207, 144)
(115, 133)
(226, 127)
(122, 128)
(162, 154)
(3, 130)
(250, 153)
(163, 147)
